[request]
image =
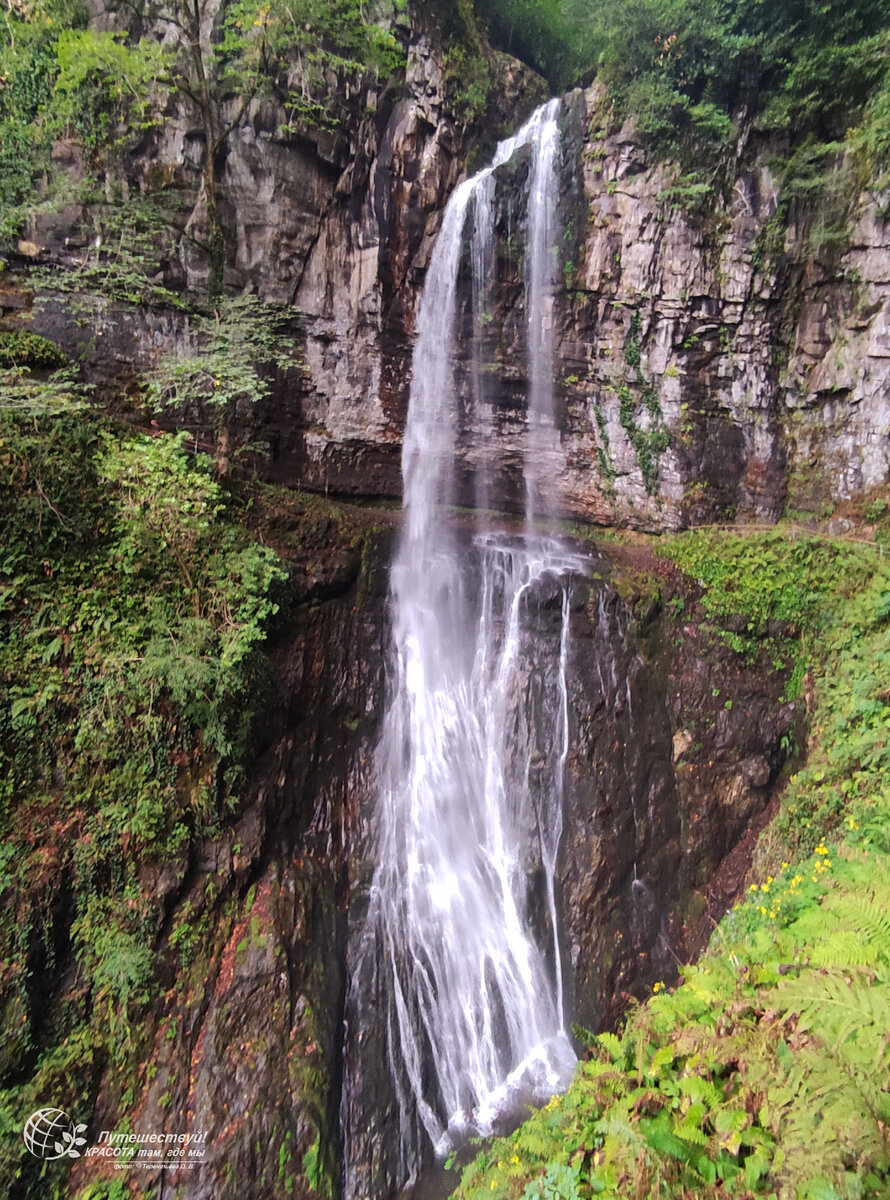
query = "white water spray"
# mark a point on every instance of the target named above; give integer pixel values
(463, 913)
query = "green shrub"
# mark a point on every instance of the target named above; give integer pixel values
(19, 349)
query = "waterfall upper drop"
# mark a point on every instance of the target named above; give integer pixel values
(462, 917)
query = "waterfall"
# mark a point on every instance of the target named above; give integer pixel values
(462, 911)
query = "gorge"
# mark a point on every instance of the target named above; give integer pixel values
(372, 743)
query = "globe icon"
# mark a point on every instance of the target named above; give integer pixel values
(44, 1130)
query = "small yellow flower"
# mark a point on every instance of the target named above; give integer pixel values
(658, 987)
(515, 1159)
(821, 848)
(762, 909)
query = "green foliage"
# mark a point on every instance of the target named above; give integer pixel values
(117, 960)
(650, 438)
(687, 65)
(169, 505)
(224, 363)
(116, 1189)
(771, 577)
(544, 33)
(127, 240)
(693, 72)
(314, 1169)
(105, 88)
(327, 40)
(57, 392)
(28, 70)
(743, 1081)
(467, 77)
(23, 349)
(135, 607)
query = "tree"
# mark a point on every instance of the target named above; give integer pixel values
(218, 55)
(224, 365)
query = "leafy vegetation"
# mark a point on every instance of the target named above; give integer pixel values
(105, 88)
(651, 441)
(136, 601)
(767, 1072)
(228, 363)
(697, 74)
(28, 70)
(138, 595)
(23, 349)
(545, 33)
(785, 587)
(134, 607)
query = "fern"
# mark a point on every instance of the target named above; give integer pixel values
(701, 1091)
(844, 948)
(838, 1007)
(612, 1125)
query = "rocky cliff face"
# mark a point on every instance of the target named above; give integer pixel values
(712, 364)
(244, 1040)
(761, 356)
(336, 225)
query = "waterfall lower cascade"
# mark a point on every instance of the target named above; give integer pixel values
(462, 911)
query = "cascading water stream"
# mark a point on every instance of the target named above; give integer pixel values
(462, 911)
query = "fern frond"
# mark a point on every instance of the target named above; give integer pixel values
(615, 1126)
(845, 948)
(868, 917)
